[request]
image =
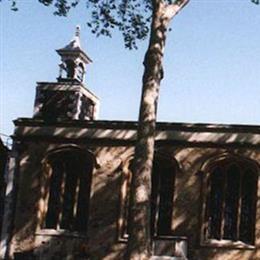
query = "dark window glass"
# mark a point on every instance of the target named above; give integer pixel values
(163, 179)
(215, 203)
(231, 202)
(248, 207)
(165, 192)
(69, 193)
(54, 205)
(69, 197)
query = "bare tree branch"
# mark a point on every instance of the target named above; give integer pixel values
(173, 9)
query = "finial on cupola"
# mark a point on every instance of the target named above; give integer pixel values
(77, 34)
(73, 60)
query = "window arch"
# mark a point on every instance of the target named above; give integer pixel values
(70, 174)
(230, 200)
(163, 181)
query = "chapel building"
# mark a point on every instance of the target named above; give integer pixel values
(68, 183)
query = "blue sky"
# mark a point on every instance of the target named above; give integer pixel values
(212, 63)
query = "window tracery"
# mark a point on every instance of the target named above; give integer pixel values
(230, 204)
(162, 195)
(69, 191)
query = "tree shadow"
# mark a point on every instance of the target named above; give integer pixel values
(112, 143)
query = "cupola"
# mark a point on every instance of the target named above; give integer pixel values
(73, 60)
(68, 98)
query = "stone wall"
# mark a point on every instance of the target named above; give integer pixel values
(111, 163)
(3, 163)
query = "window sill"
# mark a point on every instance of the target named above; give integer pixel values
(164, 237)
(124, 238)
(61, 232)
(228, 244)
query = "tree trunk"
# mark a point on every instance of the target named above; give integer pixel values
(139, 244)
(140, 237)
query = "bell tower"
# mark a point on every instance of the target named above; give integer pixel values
(68, 98)
(73, 60)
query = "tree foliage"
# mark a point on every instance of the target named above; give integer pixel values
(131, 17)
(135, 19)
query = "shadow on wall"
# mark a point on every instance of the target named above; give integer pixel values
(3, 162)
(101, 241)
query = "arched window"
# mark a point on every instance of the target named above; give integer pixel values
(70, 67)
(80, 72)
(69, 190)
(163, 180)
(230, 204)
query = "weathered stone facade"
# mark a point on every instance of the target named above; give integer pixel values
(34, 225)
(191, 146)
(3, 164)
